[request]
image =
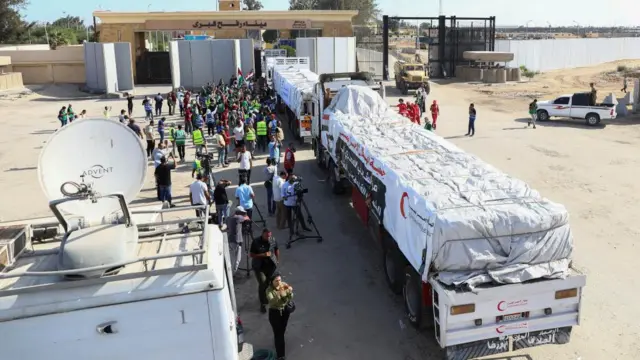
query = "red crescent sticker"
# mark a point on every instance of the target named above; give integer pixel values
(404, 195)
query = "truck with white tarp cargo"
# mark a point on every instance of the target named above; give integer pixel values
(103, 280)
(295, 86)
(480, 257)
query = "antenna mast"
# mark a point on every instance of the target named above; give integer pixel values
(440, 7)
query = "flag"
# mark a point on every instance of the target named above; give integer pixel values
(249, 75)
(240, 78)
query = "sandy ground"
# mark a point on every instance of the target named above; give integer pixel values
(550, 85)
(345, 310)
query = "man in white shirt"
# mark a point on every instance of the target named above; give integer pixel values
(281, 211)
(238, 135)
(199, 194)
(290, 202)
(246, 163)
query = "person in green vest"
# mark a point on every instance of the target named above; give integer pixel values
(261, 127)
(197, 167)
(427, 124)
(172, 138)
(198, 140)
(63, 116)
(70, 113)
(250, 138)
(180, 141)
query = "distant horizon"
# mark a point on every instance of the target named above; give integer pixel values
(616, 13)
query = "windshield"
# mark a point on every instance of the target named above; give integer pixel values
(414, 68)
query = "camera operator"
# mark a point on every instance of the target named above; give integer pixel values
(235, 229)
(265, 257)
(290, 196)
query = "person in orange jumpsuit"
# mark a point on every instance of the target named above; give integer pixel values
(402, 107)
(415, 113)
(435, 112)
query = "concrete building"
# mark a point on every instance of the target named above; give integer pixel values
(228, 23)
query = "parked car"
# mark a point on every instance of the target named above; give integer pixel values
(576, 106)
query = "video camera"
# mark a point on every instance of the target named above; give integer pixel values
(298, 188)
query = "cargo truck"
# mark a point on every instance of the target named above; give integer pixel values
(481, 260)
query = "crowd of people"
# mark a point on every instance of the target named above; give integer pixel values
(225, 123)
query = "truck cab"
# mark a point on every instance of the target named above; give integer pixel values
(576, 106)
(410, 76)
(327, 87)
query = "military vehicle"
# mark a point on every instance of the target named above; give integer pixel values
(410, 76)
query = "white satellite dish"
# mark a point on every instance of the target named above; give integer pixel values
(100, 152)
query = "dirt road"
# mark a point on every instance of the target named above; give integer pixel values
(344, 308)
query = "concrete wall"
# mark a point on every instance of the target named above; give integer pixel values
(200, 62)
(63, 65)
(102, 67)
(124, 66)
(10, 81)
(4, 47)
(328, 54)
(554, 54)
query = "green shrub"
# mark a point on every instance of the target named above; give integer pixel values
(622, 68)
(290, 51)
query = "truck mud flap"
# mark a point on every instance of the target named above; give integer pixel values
(493, 346)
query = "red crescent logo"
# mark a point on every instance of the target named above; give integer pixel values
(500, 329)
(404, 195)
(501, 305)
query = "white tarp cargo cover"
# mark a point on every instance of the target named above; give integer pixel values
(294, 87)
(446, 209)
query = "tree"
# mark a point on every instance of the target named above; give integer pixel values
(394, 25)
(270, 36)
(367, 9)
(12, 26)
(252, 5)
(69, 22)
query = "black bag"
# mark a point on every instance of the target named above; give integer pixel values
(290, 307)
(268, 183)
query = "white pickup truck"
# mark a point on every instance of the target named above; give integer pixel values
(576, 106)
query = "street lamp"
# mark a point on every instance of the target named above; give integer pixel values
(526, 25)
(548, 23)
(577, 26)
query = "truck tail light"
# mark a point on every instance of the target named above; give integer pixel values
(611, 112)
(463, 309)
(565, 294)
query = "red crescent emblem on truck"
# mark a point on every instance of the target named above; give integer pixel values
(501, 306)
(404, 195)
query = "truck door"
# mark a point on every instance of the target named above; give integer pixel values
(561, 107)
(306, 118)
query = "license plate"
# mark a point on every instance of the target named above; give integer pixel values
(512, 317)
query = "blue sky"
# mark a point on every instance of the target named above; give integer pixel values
(507, 12)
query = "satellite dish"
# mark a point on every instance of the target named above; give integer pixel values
(100, 152)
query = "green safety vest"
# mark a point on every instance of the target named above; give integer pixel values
(172, 133)
(197, 164)
(197, 137)
(251, 135)
(181, 136)
(262, 128)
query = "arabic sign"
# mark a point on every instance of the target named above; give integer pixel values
(480, 348)
(362, 178)
(543, 337)
(226, 24)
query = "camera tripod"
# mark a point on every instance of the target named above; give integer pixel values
(247, 239)
(295, 222)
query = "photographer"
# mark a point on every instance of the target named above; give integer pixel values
(290, 193)
(265, 257)
(234, 236)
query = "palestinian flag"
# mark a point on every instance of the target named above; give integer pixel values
(249, 75)
(240, 78)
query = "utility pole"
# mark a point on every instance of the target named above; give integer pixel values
(440, 11)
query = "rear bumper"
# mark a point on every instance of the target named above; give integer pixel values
(498, 345)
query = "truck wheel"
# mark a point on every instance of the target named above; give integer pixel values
(319, 154)
(542, 115)
(418, 316)
(334, 181)
(592, 119)
(393, 269)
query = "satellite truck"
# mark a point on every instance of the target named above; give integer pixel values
(482, 260)
(108, 281)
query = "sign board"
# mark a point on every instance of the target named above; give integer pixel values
(196, 37)
(226, 24)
